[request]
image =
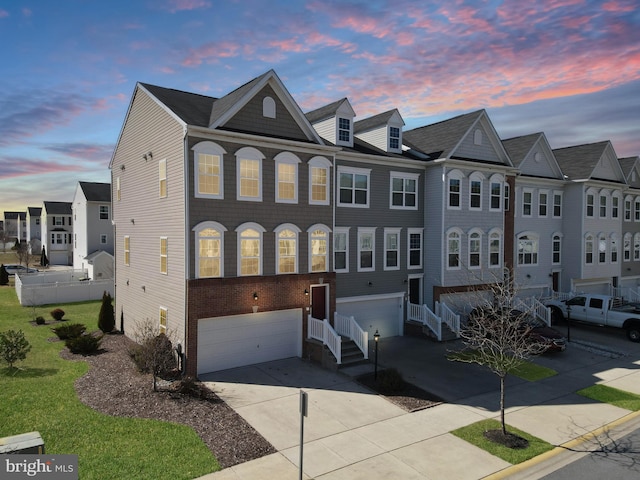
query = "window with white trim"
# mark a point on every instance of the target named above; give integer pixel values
(613, 249)
(210, 248)
(636, 209)
(162, 178)
(453, 249)
(495, 248)
(366, 249)
(344, 129)
(557, 204)
(104, 212)
(602, 248)
(475, 247)
(477, 137)
(118, 195)
(626, 247)
(286, 177)
(603, 206)
(404, 190)
(208, 170)
(414, 240)
(588, 249)
(628, 201)
(250, 249)
(495, 193)
(103, 238)
(636, 246)
(287, 249)
(319, 248)
(319, 178)
(615, 206)
(507, 196)
(164, 254)
(353, 184)
(556, 249)
(341, 249)
(163, 320)
(475, 192)
(58, 221)
(249, 174)
(528, 249)
(543, 196)
(590, 204)
(127, 250)
(527, 202)
(391, 248)
(394, 138)
(454, 179)
(268, 107)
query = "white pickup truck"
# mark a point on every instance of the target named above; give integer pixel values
(599, 310)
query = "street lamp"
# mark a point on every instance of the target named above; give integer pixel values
(376, 338)
(568, 323)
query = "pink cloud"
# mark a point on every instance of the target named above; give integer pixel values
(3, 13)
(181, 5)
(12, 167)
(210, 53)
(619, 6)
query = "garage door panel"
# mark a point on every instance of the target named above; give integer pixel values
(378, 314)
(234, 341)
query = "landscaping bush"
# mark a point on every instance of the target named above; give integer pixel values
(4, 276)
(57, 314)
(85, 344)
(13, 346)
(390, 381)
(154, 354)
(40, 321)
(106, 318)
(71, 330)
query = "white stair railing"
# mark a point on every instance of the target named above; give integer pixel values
(322, 331)
(348, 327)
(536, 308)
(423, 315)
(450, 318)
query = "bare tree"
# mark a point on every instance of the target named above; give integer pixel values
(154, 351)
(497, 335)
(22, 252)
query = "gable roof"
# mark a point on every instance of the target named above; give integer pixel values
(57, 208)
(376, 121)
(12, 215)
(519, 148)
(96, 192)
(580, 161)
(627, 164)
(191, 108)
(34, 211)
(325, 112)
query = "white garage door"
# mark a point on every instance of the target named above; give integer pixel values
(382, 314)
(238, 340)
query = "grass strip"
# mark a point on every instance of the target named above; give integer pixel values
(613, 396)
(474, 434)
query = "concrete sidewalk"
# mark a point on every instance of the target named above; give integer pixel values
(351, 433)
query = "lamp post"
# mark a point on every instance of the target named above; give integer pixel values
(568, 323)
(376, 338)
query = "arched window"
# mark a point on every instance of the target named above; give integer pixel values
(249, 174)
(626, 246)
(209, 237)
(319, 248)
(287, 248)
(613, 249)
(477, 137)
(250, 249)
(588, 249)
(602, 248)
(319, 180)
(268, 107)
(453, 249)
(286, 177)
(495, 248)
(636, 246)
(208, 170)
(475, 247)
(556, 248)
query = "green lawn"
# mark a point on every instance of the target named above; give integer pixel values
(474, 434)
(532, 371)
(611, 395)
(41, 397)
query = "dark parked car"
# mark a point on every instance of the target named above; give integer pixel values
(537, 330)
(13, 269)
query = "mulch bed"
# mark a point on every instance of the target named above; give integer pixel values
(409, 397)
(509, 440)
(114, 386)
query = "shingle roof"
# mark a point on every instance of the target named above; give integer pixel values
(579, 161)
(518, 147)
(58, 208)
(372, 122)
(96, 192)
(34, 211)
(325, 112)
(223, 104)
(627, 164)
(12, 215)
(192, 108)
(439, 139)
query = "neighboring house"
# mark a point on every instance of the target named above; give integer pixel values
(22, 226)
(221, 237)
(593, 202)
(92, 230)
(379, 219)
(465, 182)
(538, 215)
(12, 225)
(34, 230)
(630, 249)
(57, 232)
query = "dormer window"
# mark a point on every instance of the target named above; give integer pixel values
(394, 138)
(344, 130)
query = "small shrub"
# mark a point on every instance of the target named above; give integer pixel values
(71, 330)
(13, 346)
(40, 321)
(85, 344)
(57, 314)
(4, 276)
(191, 387)
(106, 317)
(390, 381)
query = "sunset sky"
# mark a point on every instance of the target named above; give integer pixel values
(570, 68)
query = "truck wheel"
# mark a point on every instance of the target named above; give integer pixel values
(633, 333)
(556, 316)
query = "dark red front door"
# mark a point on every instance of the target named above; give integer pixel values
(319, 302)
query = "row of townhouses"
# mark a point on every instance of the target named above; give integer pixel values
(243, 225)
(78, 233)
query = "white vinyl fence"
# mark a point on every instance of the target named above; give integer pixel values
(59, 287)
